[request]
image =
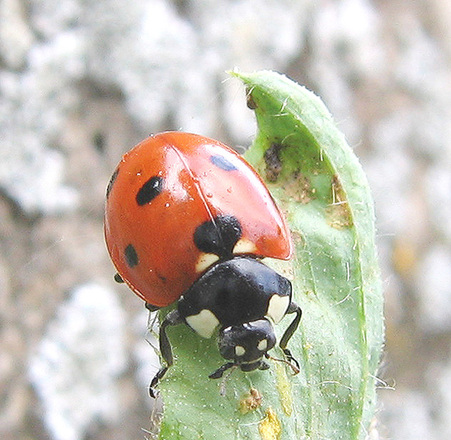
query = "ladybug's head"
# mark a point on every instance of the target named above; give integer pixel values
(246, 344)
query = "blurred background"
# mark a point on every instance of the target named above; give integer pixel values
(82, 81)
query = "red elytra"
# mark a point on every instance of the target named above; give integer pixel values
(162, 190)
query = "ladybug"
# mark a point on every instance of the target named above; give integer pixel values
(188, 220)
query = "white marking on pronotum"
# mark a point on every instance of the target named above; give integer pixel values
(244, 246)
(277, 307)
(239, 350)
(204, 323)
(263, 345)
(205, 261)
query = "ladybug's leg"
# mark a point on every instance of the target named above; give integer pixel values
(118, 278)
(293, 308)
(221, 370)
(172, 318)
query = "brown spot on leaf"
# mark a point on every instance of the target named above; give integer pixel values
(299, 188)
(250, 100)
(251, 401)
(273, 163)
(337, 212)
(297, 238)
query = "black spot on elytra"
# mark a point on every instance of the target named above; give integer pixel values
(162, 278)
(151, 189)
(218, 236)
(111, 182)
(222, 162)
(131, 256)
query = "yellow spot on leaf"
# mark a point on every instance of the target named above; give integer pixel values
(308, 346)
(269, 428)
(284, 388)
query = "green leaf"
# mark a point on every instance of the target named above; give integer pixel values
(321, 187)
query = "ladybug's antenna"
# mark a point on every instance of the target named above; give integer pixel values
(222, 386)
